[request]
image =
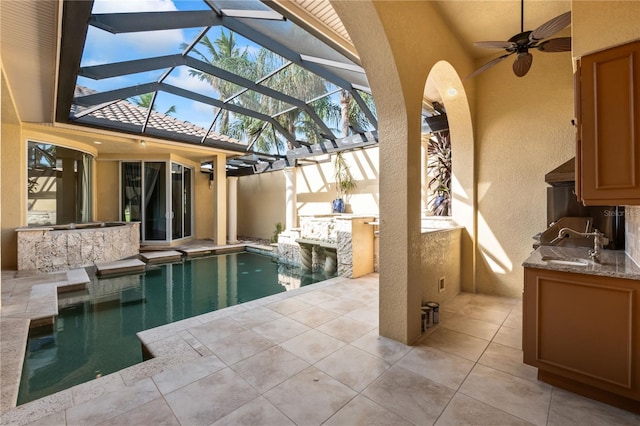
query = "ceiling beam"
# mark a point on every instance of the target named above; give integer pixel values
(75, 15)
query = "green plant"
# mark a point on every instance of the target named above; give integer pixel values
(439, 168)
(277, 232)
(344, 180)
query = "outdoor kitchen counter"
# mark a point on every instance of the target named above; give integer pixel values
(613, 263)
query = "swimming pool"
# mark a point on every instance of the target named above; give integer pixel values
(95, 331)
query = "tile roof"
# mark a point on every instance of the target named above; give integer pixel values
(125, 116)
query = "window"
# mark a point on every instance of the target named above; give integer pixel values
(58, 185)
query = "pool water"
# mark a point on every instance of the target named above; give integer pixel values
(95, 331)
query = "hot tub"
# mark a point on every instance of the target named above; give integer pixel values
(63, 247)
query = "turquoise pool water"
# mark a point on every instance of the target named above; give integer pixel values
(95, 331)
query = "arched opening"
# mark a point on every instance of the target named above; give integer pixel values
(444, 86)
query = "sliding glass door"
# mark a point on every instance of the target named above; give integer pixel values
(180, 201)
(163, 209)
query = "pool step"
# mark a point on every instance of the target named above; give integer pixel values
(127, 266)
(161, 256)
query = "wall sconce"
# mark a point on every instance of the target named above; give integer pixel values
(143, 143)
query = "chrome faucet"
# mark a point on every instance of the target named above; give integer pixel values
(598, 240)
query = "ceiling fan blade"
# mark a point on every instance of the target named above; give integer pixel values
(495, 44)
(551, 27)
(560, 44)
(488, 65)
(522, 64)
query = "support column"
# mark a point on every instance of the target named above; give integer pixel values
(291, 198)
(232, 209)
(220, 201)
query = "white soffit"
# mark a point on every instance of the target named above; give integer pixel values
(28, 38)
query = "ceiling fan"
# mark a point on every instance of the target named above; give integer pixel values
(521, 43)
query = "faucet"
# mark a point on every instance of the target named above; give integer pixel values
(598, 240)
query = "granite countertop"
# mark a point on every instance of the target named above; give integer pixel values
(613, 263)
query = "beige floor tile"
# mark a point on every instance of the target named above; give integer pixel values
(479, 312)
(345, 328)
(310, 397)
(256, 316)
(215, 330)
(112, 404)
(455, 304)
(314, 316)
(341, 305)
(508, 336)
(150, 368)
(508, 360)
(95, 388)
(156, 413)
(463, 345)
(387, 349)
(207, 400)
(361, 411)
(256, 412)
(493, 302)
(569, 409)
(312, 346)
(184, 374)
(315, 297)
(269, 368)
(466, 411)
(514, 320)
(353, 367)
(409, 395)
(368, 315)
(364, 296)
(235, 348)
(519, 397)
(473, 327)
(38, 409)
(434, 364)
(288, 306)
(279, 330)
(55, 419)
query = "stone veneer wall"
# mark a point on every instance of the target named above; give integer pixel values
(632, 232)
(48, 250)
(351, 234)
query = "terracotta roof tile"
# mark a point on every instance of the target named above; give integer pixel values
(124, 112)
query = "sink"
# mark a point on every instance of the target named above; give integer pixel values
(565, 262)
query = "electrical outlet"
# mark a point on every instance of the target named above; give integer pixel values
(441, 285)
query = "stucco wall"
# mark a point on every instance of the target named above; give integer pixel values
(13, 160)
(261, 204)
(523, 131)
(600, 24)
(204, 214)
(107, 182)
(316, 184)
(261, 198)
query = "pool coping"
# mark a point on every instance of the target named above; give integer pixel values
(41, 306)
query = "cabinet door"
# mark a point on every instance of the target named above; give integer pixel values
(610, 123)
(583, 328)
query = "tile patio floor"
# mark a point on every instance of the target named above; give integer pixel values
(313, 356)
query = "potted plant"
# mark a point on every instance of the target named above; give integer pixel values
(344, 182)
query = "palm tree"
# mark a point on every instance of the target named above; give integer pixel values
(224, 53)
(144, 101)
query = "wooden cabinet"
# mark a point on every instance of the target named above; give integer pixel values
(582, 332)
(607, 90)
